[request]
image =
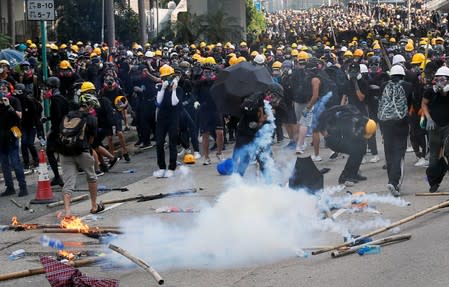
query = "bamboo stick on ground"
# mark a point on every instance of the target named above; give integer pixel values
(37, 271)
(16, 203)
(139, 262)
(383, 229)
(382, 241)
(90, 231)
(431, 194)
(73, 199)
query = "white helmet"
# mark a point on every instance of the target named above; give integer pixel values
(259, 59)
(442, 71)
(149, 54)
(343, 49)
(397, 59)
(397, 70)
(363, 69)
(129, 53)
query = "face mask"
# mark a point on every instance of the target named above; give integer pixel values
(48, 94)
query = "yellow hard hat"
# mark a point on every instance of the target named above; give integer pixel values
(196, 57)
(276, 65)
(424, 64)
(358, 53)
(121, 103)
(79, 43)
(93, 55)
(64, 65)
(269, 47)
(243, 44)
(54, 47)
(158, 53)
(63, 46)
(97, 51)
(294, 46)
(203, 44)
(348, 54)
(370, 128)
(189, 159)
(193, 46)
(303, 56)
(241, 59)
(233, 61)
(376, 46)
(418, 59)
(33, 46)
(29, 42)
(254, 53)
(87, 86)
(392, 40)
(75, 48)
(409, 47)
(210, 60)
(166, 70)
(294, 53)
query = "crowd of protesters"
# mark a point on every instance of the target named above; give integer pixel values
(360, 55)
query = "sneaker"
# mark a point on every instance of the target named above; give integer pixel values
(145, 146)
(334, 155)
(57, 181)
(374, 159)
(181, 152)
(394, 190)
(159, 173)
(409, 149)
(316, 158)
(299, 149)
(219, 157)
(360, 177)
(27, 171)
(23, 192)
(113, 162)
(207, 161)
(422, 162)
(434, 188)
(364, 160)
(138, 143)
(126, 157)
(347, 182)
(99, 172)
(197, 155)
(104, 167)
(8, 191)
(169, 173)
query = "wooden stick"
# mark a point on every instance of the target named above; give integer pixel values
(16, 203)
(139, 262)
(383, 229)
(111, 201)
(73, 199)
(91, 231)
(37, 271)
(431, 194)
(382, 241)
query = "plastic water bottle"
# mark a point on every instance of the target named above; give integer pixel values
(301, 253)
(51, 242)
(131, 170)
(4, 228)
(369, 249)
(17, 254)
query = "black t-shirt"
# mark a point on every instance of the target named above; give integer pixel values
(349, 91)
(8, 120)
(438, 107)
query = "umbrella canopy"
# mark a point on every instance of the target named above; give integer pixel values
(14, 57)
(306, 175)
(237, 82)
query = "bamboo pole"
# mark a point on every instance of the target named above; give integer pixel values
(37, 271)
(16, 203)
(431, 194)
(383, 229)
(91, 231)
(382, 241)
(73, 199)
(139, 262)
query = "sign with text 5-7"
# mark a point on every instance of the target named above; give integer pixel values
(38, 10)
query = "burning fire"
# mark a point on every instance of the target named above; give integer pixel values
(74, 222)
(18, 226)
(14, 221)
(67, 255)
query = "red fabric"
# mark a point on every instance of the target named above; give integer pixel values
(62, 275)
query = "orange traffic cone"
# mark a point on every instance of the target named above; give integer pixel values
(44, 193)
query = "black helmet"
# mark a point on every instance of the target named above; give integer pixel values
(275, 88)
(52, 82)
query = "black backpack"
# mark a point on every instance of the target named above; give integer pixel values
(73, 134)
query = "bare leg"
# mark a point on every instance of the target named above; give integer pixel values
(67, 197)
(93, 195)
(121, 138)
(205, 144)
(220, 140)
(301, 135)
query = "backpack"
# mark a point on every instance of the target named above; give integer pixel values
(393, 103)
(73, 138)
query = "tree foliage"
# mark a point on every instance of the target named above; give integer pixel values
(255, 21)
(4, 41)
(81, 20)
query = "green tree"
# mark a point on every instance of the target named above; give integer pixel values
(219, 27)
(126, 24)
(255, 22)
(4, 41)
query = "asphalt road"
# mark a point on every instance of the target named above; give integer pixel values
(239, 234)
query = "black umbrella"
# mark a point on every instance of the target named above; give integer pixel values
(237, 82)
(306, 175)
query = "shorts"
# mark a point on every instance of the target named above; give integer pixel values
(102, 133)
(209, 121)
(70, 165)
(307, 120)
(118, 121)
(287, 115)
(299, 108)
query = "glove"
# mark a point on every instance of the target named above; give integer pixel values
(196, 105)
(5, 101)
(42, 142)
(164, 85)
(430, 124)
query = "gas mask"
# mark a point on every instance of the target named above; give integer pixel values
(441, 84)
(208, 75)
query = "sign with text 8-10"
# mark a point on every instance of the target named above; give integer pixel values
(38, 10)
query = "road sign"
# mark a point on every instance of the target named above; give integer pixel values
(40, 10)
